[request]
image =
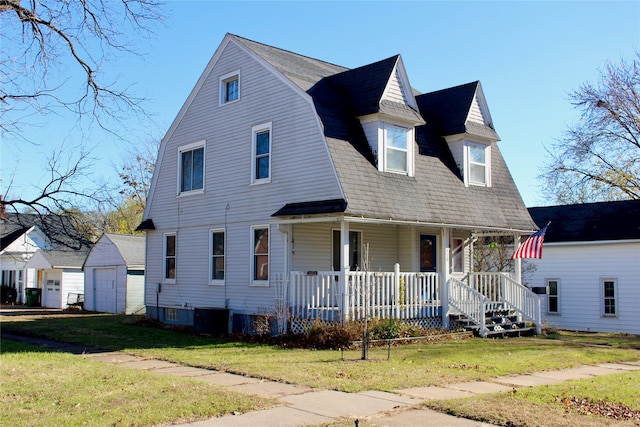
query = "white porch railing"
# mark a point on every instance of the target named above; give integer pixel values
(502, 292)
(395, 295)
(465, 300)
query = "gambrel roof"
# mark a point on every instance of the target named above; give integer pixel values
(436, 193)
(590, 222)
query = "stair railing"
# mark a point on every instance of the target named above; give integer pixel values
(468, 302)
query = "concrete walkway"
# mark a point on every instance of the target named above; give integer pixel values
(303, 406)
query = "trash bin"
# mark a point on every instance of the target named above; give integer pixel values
(33, 297)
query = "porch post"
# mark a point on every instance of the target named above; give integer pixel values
(344, 268)
(444, 276)
(518, 261)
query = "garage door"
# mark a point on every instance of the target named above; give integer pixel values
(104, 289)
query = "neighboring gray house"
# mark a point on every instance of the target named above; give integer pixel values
(114, 275)
(21, 235)
(297, 189)
(59, 276)
(590, 266)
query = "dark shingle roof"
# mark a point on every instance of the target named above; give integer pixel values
(58, 229)
(437, 193)
(308, 208)
(300, 69)
(450, 107)
(588, 222)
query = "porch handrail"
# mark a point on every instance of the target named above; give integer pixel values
(468, 302)
(523, 301)
(502, 289)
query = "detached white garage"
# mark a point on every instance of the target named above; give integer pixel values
(114, 275)
(59, 276)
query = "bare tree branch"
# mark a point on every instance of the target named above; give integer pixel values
(598, 159)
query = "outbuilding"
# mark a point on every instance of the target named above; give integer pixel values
(59, 276)
(114, 275)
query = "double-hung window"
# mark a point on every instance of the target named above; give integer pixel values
(260, 255)
(217, 257)
(478, 156)
(191, 165)
(609, 297)
(169, 257)
(553, 296)
(395, 146)
(261, 153)
(230, 87)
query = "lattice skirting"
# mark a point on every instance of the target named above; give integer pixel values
(300, 326)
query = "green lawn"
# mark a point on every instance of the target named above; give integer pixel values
(43, 388)
(417, 364)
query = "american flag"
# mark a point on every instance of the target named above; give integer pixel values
(532, 247)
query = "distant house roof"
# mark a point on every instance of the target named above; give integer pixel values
(58, 229)
(587, 222)
(63, 259)
(131, 248)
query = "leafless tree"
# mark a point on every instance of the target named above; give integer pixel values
(598, 159)
(53, 54)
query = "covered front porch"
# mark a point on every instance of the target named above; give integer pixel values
(391, 270)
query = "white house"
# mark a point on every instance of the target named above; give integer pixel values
(59, 276)
(21, 235)
(590, 269)
(297, 189)
(114, 275)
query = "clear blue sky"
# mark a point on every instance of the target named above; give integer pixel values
(527, 55)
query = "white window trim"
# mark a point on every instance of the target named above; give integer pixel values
(189, 147)
(546, 281)
(409, 151)
(351, 267)
(164, 257)
(223, 89)
(255, 130)
(615, 297)
(258, 283)
(217, 282)
(467, 163)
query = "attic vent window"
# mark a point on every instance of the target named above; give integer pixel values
(229, 87)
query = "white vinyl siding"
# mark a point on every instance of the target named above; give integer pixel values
(304, 171)
(580, 269)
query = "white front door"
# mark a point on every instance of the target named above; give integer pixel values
(104, 291)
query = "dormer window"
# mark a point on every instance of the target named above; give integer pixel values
(392, 144)
(395, 148)
(477, 171)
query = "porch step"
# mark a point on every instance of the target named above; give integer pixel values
(497, 323)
